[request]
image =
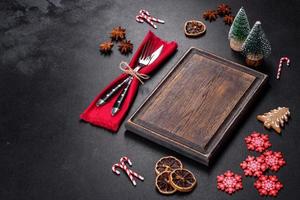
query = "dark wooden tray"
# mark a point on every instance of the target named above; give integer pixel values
(196, 105)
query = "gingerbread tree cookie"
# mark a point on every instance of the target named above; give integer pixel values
(275, 118)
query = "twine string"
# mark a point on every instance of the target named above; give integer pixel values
(128, 70)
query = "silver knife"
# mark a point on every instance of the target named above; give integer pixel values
(117, 105)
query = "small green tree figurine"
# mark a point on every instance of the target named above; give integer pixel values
(256, 46)
(239, 30)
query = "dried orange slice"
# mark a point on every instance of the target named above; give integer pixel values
(162, 183)
(182, 180)
(168, 163)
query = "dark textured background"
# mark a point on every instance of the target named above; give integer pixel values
(51, 70)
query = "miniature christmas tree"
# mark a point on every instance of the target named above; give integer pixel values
(239, 30)
(256, 46)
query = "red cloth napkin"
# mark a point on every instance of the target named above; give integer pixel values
(101, 116)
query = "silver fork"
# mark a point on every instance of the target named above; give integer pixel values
(142, 61)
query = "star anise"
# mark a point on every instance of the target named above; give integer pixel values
(106, 47)
(125, 47)
(118, 33)
(228, 19)
(223, 9)
(210, 15)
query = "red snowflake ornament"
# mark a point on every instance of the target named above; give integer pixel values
(274, 160)
(229, 182)
(254, 166)
(268, 185)
(257, 142)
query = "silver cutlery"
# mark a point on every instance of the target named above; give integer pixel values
(143, 61)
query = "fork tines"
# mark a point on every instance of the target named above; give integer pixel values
(147, 49)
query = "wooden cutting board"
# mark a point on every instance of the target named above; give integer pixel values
(196, 105)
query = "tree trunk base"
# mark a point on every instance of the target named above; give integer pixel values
(254, 60)
(236, 45)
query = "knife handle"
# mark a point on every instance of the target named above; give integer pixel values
(120, 99)
(108, 95)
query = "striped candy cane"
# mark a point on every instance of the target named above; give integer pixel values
(117, 165)
(144, 15)
(136, 175)
(126, 159)
(121, 166)
(128, 174)
(128, 171)
(280, 65)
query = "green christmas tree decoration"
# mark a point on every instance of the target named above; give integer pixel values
(256, 46)
(239, 30)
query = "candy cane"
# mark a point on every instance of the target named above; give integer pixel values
(280, 65)
(115, 170)
(136, 175)
(128, 171)
(144, 15)
(131, 172)
(125, 159)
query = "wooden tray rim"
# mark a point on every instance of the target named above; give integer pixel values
(203, 157)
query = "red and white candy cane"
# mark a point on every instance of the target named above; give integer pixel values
(280, 65)
(118, 165)
(128, 171)
(125, 159)
(144, 15)
(114, 168)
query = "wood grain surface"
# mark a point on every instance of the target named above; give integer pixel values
(198, 101)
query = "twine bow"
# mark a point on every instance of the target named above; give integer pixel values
(128, 70)
(144, 15)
